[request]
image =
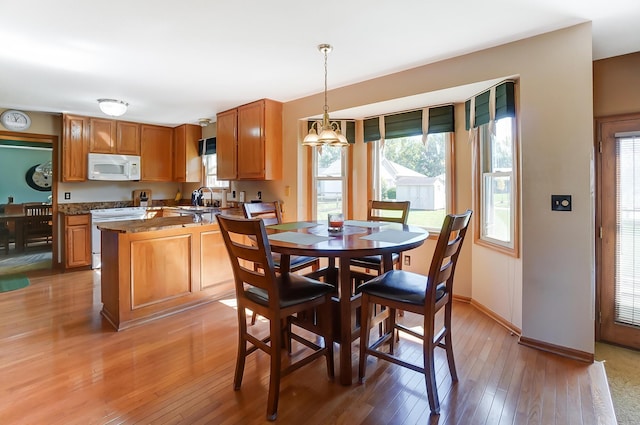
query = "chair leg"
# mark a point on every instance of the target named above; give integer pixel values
(242, 349)
(365, 323)
(275, 326)
(448, 341)
(392, 329)
(327, 328)
(430, 376)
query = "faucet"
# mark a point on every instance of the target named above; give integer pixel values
(210, 191)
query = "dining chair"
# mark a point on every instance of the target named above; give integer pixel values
(276, 297)
(387, 211)
(271, 213)
(11, 225)
(419, 294)
(4, 236)
(37, 224)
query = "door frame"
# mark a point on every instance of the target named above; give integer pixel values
(599, 225)
(53, 140)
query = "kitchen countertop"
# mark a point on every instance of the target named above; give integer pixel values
(153, 224)
(162, 223)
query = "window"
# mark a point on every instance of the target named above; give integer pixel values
(329, 181)
(407, 169)
(211, 172)
(496, 186)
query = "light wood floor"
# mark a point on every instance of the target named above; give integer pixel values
(60, 363)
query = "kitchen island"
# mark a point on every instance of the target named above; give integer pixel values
(160, 266)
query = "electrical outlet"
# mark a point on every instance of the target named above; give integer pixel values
(67, 195)
(259, 195)
(407, 260)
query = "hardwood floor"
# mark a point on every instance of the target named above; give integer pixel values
(60, 363)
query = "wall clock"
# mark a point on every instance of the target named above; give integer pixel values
(38, 180)
(14, 120)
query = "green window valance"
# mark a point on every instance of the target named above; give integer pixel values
(408, 124)
(207, 146)
(505, 105)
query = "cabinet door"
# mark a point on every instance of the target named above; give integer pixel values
(251, 141)
(128, 138)
(102, 135)
(74, 148)
(156, 152)
(226, 145)
(77, 241)
(187, 163)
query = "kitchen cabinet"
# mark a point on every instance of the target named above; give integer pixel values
(75, 134)
(187, 163)
(249, 147)
(127, 138)
(226, 145)
(77, 241)
(156, 151)
(110, 136)
(161, 266)
(102, 134)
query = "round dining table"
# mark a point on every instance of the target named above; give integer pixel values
(355, 239)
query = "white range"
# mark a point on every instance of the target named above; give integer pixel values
(105, 215)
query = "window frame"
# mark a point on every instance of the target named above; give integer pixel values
(513, 248)
(347, 181)
(374, 191)
(205, 174)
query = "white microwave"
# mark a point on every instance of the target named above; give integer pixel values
(113, 167)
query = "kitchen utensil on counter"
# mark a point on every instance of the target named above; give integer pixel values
(142, 198)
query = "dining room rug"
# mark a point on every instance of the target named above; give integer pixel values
(24, 262)
(12, 282)
(621, 366)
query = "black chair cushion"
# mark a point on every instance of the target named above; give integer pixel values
(400, 285)
(295, 260)
(294, 289)
(375, 260)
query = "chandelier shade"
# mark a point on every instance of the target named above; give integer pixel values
(325, 132)
(113, 107)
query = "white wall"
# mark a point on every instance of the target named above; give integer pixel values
(100, 191)
(551, 285)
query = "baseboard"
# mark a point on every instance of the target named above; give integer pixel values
(557, 349)
(508, 325)
(529, 342)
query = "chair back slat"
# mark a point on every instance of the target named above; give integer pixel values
(445, 256)
(246, 242)
(392, 211)
(269, 212)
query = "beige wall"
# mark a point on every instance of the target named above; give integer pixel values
(616, 85)
(549, 292)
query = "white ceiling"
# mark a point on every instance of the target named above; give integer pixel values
(177, 61)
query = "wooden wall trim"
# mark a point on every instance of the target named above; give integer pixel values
(502, 321)
(557, 349)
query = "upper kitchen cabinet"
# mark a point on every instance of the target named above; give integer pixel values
(102, 135)
(75, 134)
(127, 138)
(187, 163)
(250, 147)
(110, 136)
(156, 151)
(227, 145)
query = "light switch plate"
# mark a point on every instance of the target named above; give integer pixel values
(561, 202)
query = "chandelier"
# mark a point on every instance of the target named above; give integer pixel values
(329, 133)
(113, 107)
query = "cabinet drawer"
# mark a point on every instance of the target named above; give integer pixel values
(77, 220)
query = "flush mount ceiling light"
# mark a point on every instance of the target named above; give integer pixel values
(204, 122)
(113, 107)
(329, 133)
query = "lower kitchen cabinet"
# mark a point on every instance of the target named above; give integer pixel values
(77, 241)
